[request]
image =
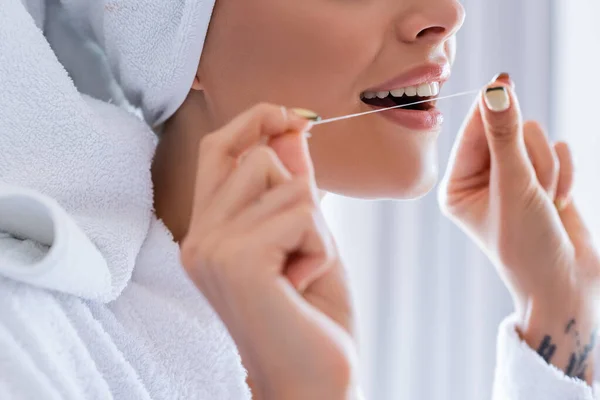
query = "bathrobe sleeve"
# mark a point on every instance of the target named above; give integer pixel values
(41, 245)
(521, 374)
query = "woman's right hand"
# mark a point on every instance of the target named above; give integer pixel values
(257, 240)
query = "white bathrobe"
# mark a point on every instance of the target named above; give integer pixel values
(93, 301)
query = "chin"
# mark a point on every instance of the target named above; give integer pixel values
(413, 187)
(413, 175)
(400, 166)
(405, 185)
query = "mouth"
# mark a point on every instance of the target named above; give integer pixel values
(420, 85)
(424, 94)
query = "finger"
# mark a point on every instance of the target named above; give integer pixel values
(293, 192)
(302, 232)
(219, 150)
(259, 170)
(542, 156)
(471, 155)
(575, 226)
(330, 293)
(261, 121)
(501, 116)
(293, 151)
(302, 271)
(565, 175)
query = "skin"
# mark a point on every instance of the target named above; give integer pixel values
(214, 172)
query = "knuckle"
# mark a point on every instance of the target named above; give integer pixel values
(200, 256)
(193, 255)
(263, 156)
(266, 154)
(504, 129)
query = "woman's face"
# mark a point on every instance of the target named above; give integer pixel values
(327, 56)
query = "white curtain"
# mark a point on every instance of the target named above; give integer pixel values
(428, 301)
(576, 102)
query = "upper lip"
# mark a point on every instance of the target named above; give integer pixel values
(427, 73)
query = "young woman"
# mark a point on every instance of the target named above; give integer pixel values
(239, 191)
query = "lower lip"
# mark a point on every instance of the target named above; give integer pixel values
(414, 119)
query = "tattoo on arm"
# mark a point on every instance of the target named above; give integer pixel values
(578, 360)
(547, 349)
(570, 325)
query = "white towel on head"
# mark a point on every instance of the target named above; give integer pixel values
(153, 46)
(94, 302)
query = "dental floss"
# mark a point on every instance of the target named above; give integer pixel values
(328, 120)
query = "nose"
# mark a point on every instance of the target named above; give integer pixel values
(430, 21)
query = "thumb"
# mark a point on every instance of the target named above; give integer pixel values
(503, 127)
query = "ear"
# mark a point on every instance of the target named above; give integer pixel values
(196, 85)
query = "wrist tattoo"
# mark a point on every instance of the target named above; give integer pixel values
(578, 360)
(570, 325)
(547, 349)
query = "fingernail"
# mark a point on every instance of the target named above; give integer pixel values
(306, 114)
(561, 204)
(502, 76)
(497, 99)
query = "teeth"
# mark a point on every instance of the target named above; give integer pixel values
(397, 92)
(424, 90)
(435, 88)
(410, 91)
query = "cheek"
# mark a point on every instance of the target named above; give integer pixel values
(290, 55)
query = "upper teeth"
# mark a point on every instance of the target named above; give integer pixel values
(424, 90)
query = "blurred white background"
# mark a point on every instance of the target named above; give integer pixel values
(576, 60)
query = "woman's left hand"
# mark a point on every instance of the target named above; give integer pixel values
(509, 188)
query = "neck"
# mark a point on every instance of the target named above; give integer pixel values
(175, 164)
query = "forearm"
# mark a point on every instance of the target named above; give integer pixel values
(564, 336)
